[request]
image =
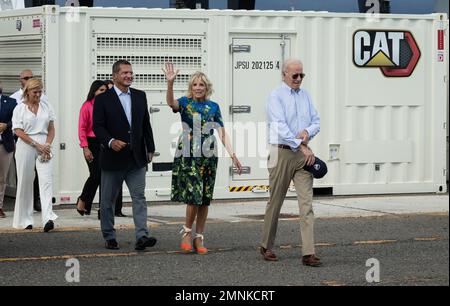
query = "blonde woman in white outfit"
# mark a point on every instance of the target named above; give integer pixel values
(33, 123)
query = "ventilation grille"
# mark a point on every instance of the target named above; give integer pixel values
(13, 48)
(150, 81)
(148, 55)
(18, 55)
(145, 43)
(151, 62)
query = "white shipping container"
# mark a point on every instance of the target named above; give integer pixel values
(380, 85)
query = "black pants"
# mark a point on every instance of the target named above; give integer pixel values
(36, 196)
(93, 181)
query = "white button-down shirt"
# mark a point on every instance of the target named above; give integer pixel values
(289, 112)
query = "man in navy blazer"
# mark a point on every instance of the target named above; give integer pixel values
(121, 123)
(7, 144)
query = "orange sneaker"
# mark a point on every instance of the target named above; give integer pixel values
(185, 247)
(201, 250)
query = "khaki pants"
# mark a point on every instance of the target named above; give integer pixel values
(284, 166)
(5, 162)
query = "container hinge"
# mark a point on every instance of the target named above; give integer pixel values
(240, 109)
(245, 170)
(239, 48)
(154, 110)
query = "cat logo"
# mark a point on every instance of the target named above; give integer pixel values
(395, 52)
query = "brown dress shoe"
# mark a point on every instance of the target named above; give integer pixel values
(268, 254)
(311, 260)
(2, 214)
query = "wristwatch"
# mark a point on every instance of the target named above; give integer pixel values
(33, 143)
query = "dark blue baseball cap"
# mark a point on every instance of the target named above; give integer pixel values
(318, 169)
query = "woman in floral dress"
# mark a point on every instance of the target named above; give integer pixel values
(195, 162)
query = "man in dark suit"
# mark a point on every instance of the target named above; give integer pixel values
(7, 144)
(121, 122)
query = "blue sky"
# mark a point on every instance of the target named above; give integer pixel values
(397, 6)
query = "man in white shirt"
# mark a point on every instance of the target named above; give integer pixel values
(292, 121)
(25, 75)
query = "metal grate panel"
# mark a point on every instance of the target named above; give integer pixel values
(17, 48)
(18, 55)
(148, 55)
(151, 81)
(150, 62)
(145, 43)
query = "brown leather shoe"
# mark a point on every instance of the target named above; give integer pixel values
(311, 260)
(268, 254)
(2, 214)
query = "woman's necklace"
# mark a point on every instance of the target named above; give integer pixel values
(33, 107)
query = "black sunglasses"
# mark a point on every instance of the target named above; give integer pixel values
(27, 78)
(296, 75)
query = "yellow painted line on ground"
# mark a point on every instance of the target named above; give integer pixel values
(16, 259)
(321, 244)
(129, 254)
(325, 244)
(224, 249)
(94, 255)
(285, 247)
(40, 230)
(333, 283)
(68, 229)
(427, 238)
(102, 255)
(374, 241)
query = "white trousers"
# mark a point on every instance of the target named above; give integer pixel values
(26, 161)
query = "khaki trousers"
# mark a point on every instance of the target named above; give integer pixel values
(5, 162)
(285, 165)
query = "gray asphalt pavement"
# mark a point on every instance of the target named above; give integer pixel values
(410, 250)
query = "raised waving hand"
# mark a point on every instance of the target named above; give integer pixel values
(171, 75)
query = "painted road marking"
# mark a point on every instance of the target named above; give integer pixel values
(427, 238)
(374, 241)
(69, 229)
(333, 283)
(101, 255)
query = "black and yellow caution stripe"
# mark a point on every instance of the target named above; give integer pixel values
(247, 188)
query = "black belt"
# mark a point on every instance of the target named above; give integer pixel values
(284, 147)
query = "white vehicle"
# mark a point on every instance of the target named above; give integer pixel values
(379, 83)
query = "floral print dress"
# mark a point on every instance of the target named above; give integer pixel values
(195, 162)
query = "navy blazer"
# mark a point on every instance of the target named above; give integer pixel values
(6, 111)
(110, 121)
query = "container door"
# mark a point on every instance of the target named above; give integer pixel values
(256, 72)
